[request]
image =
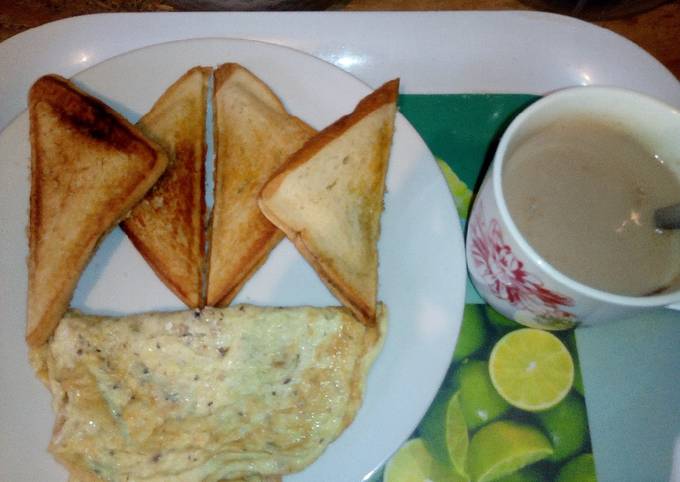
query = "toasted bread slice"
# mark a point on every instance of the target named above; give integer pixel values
(328, 199)
(89, 167)
(168, 225)
(253, 137)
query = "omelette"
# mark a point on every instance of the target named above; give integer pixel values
(239, 393)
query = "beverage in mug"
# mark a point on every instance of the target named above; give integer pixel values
(583, 194)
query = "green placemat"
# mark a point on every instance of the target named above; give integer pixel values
(471, 431)
(463, 129)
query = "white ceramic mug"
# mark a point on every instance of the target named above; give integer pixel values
(506, 271)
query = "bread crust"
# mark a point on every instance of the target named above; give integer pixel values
(63, 229)
(345, 292)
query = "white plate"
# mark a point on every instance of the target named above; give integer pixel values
(422, 267)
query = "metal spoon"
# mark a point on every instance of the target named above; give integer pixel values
(668, 217)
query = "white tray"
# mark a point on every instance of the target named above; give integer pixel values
(632, 408)
(437, 52)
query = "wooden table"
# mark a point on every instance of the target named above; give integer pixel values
(657, 31)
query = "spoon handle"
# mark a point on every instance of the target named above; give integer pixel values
(668, 217)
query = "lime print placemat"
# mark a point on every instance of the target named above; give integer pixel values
(511, 407)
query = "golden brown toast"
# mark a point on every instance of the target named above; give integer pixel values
(168, 226)
(328, 199)
(253, 137)
(89, 167)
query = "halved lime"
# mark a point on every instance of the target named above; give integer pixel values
(531, 369)
(472, 332)
(459, 190)
(504, 447)
(479, 400)
(566, 425)
(413, 463)
(578, 469)
(444, 431)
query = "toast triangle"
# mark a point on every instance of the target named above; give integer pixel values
(89, 167)
(168, 226)
(253, 137)
(328, 199)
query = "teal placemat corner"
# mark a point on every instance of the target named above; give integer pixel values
(462, 129)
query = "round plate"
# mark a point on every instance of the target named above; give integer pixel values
(422, 262)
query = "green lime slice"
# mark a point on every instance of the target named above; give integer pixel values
(578, 469)
(414, 463)
(479, 400)
(462, 195)
(444, 431)
(531, 369)
(566, 425)
(502, 448)
(472, 334)
(500, 322)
